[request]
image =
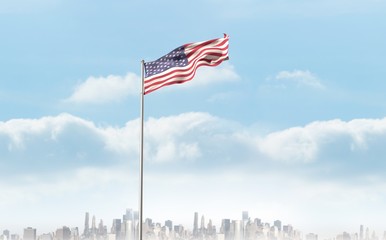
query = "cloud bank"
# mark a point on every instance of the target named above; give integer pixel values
(65, 141)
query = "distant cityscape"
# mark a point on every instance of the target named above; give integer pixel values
(126, 228)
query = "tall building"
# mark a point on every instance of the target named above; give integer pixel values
(367, 234)
(93, 226)
(225, 228)
(75, 233)
(252, 231)
(149, 222)
(86, 232)
(202, 227)
(179, 230)
(63, 233)
(288, 229)
(236, 230)
(6, 233)
(29, 234)
(116, 227)
(210, 229)
(122, 234)
(361, 232)
(130, 233)
(136, 215)
(129, 215)
(169, 224)
(102, 229)
(245, 216)
(277, 223)
(195, 225)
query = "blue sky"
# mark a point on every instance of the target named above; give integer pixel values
(293, 127)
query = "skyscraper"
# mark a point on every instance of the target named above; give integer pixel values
(361, 232)
(129, 230)
(210, 229)
(202, 228)
(116, 227)
(6, 233)
(236, 230)
(86, 231)
(288, 229)
(367, 233)
(93, 226)
(63, 233)
(169, 224)
(75, 233)
(29, 234)
(102, 229)
(245, 216)
(277, 223)
(257, 221)
(225, 228)
(195, 225)
(129, 215)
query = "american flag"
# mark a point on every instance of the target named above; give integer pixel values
(180, 65)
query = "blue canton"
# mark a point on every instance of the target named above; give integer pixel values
(176, 58)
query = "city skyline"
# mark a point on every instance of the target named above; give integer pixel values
(126, 228)
(291, 127)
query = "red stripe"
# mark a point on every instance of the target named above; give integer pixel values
(202, 43)
(216, 49)
(200, 47)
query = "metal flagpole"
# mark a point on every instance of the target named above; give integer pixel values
(140, 212)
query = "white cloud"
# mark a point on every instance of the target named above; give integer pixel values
(99, 90)
(329, 139)
(293, 144)
(300, 78)
(51, 141)
(173, 138)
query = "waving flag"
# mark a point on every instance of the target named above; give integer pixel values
(180, 65)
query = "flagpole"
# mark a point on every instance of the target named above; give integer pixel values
(140, 211)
